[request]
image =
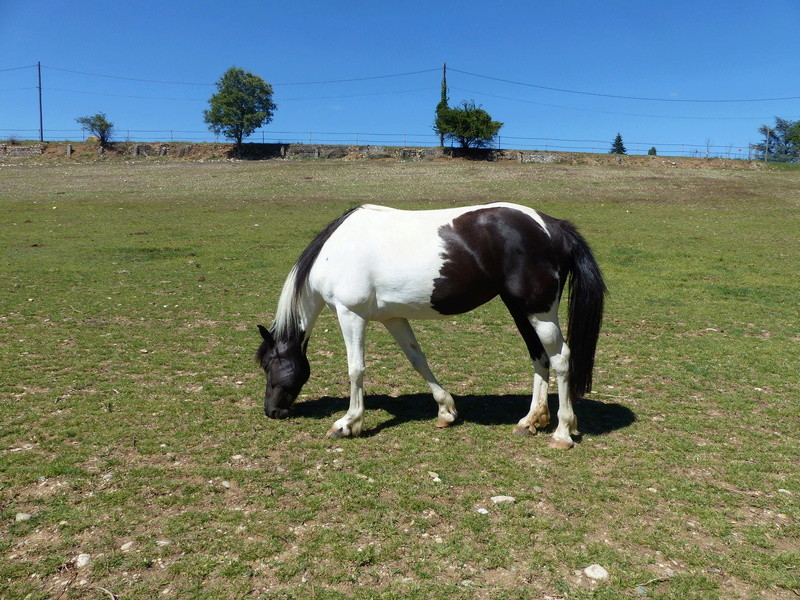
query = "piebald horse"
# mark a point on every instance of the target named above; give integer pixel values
(381, 264)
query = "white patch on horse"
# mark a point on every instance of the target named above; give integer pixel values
(384, 271)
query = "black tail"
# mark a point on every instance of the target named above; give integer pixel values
(586, 296)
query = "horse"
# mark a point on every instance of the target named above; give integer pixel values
(376, 263)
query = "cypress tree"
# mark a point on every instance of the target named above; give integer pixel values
(442, 109)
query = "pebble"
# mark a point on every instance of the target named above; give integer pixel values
(82, 560)
(21, 516)
(483, 511)
(126, 546)
(596, 572)
(503, 499)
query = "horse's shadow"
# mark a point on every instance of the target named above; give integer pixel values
(594, 417)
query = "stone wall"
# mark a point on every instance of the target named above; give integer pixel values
(254, 151)
(14, 150)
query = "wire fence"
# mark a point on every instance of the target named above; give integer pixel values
(743, 151)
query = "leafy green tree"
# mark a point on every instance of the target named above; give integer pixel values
(652, 152)
(781, 141)
(97, 125)
(242, 104)
(793, 135)
(468, 125)
(617, 147)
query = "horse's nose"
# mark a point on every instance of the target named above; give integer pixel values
(278, 413)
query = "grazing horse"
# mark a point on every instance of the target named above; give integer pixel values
(381, 264)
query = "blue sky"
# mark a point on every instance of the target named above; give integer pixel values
(370, 72)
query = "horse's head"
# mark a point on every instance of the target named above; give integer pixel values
(287, 369)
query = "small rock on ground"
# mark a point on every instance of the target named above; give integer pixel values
(596, 572)
(503, 499)
(82, 560)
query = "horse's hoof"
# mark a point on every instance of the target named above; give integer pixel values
(441, 423)
(524, 430)
(560, 444)
(335, 433)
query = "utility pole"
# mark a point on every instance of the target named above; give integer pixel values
(41, 126)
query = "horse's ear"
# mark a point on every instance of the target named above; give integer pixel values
(266, 335)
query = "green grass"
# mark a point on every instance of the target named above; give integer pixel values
(131, 408)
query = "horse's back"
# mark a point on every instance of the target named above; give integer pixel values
(384, 262)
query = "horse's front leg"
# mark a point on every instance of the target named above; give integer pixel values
(353, 328)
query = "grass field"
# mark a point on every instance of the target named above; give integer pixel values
(132, 433)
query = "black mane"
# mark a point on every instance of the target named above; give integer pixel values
(287, 326)
(309, 255)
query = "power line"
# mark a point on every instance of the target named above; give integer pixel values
(337, 97)
(51, 89)
(424, 71)
(608, 112)
(596, 94)
(126, 78)
(350, 80)
(360, 78)
(393, 93)
(17, 68)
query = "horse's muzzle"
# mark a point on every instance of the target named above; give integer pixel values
(277, 413)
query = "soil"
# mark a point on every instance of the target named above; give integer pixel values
(90, 151)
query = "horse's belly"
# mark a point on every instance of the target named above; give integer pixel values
(388, 305)
(383, 295)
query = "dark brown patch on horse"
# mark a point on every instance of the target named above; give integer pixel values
(499, 252)
(503, 252)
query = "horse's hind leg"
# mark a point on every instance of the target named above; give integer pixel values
(538, 416)
(549, 332)
(404, 336)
